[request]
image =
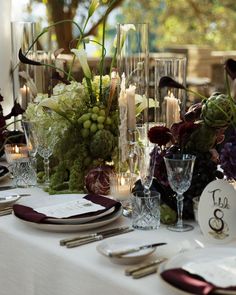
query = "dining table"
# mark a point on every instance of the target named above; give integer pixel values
(32, 261)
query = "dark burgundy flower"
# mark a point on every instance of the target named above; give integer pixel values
(185, 131)
(166, 81)
(194, 112)
(228, 157)
(160, 135)
(175, 129)
(230, 67)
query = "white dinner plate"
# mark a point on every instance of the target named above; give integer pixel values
(115, 244)
(197, 255)
(79, 220)
(74, 227)
(8, 199)
(51, 200)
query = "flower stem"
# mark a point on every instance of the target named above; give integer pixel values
(195, 93)
(103, 55)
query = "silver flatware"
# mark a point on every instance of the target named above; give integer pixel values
(130, 270)
(63, 242)
(133, 250)
(144, 272)
(6, 211)
(96, 238)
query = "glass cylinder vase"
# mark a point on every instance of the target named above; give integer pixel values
(23, 34)
(133, 64)
(133, 68)
(41, 76)
(170, 101)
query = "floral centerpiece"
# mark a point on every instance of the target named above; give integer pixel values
(201, 132)
(84, 116)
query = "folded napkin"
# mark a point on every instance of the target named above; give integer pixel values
(29, 214)
(193, 284)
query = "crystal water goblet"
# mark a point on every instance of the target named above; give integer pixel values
(31, 139)
(46, 139)
(179, 169)
(146, 166)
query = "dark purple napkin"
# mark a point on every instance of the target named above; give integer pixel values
(29, 214)
(187, 282)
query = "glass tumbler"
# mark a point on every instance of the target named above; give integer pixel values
(145, 210)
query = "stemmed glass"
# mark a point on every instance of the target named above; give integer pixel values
(146, 166)
(45, 139)
(31, 139)
(179, 171)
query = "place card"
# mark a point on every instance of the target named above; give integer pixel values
(71, 208)
(217, 211)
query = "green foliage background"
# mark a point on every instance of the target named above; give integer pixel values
(172, 22)
(199, 22)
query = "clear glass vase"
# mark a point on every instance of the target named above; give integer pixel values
(133, 64)
(23, 34)
(133, 68)
(170, 101)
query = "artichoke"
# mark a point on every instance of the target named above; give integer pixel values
(101, 145)
(218, 110)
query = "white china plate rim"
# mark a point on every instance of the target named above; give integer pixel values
(9, 199)
(116, 244)
(79, 220)
(61, 198)
(54, 227)
(199, 254)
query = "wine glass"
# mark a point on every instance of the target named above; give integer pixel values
(45, 139)
(146, 166)
(31, 140)
(179, 171)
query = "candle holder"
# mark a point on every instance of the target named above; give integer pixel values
(171, 101)
(133, 63)
(120, 186)
(133, 67)
(21, 165)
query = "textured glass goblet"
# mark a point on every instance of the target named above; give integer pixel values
(179, 171)
(46, 140)
(146, 166)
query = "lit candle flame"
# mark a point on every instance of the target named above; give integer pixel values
(122, 181)
(17, 150)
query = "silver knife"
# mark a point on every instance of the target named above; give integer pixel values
(63, 242)
(133, 250)
(96, 238)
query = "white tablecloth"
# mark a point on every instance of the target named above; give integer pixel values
(33, 263)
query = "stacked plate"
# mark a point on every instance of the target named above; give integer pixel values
(202, 271)
(72, 212)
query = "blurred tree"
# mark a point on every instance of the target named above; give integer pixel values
(200, 22)
(76, 10)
